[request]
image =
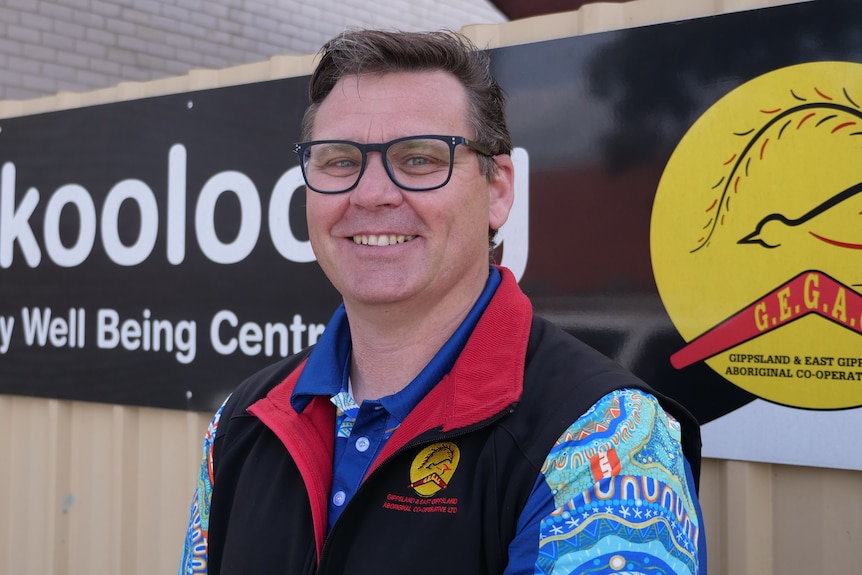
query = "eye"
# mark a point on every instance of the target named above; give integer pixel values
(343, 163)
(417, 161)
(419, 154)
(334, 157)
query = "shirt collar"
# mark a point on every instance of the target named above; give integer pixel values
(327, 369)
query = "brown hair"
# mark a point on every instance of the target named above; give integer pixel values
(360, 52)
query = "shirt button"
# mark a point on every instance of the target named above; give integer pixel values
(339, 498)
(362, 444)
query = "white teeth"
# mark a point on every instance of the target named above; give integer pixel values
(381, 240)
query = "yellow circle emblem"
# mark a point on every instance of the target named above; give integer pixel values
(756, 237)
(433, 468)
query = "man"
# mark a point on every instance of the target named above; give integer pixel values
(437, 426)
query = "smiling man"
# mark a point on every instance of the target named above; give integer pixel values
(437, 424)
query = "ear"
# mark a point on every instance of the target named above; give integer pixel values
(501, 191)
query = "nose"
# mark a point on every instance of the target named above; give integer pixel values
(375, 187)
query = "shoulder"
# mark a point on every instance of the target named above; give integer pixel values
(258, 386)
(626, 432)
(567, 383)
(564, 377)
(556, 356)
(615, 477)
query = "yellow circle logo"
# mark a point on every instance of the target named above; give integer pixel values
(756, 237)
(433, 468)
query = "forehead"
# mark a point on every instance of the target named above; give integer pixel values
(380, 107)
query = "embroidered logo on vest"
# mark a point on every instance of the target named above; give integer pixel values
(432, 469)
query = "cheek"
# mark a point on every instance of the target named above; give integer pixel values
(319, 226)
(475, 210)
(320, 215)
(312, 220)
(467, 223)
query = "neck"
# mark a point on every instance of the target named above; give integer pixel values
(393, 343)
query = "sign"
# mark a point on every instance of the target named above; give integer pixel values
(687, 203)
(630, 134)
(759, 214)
(153, 252)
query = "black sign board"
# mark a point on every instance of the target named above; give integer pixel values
(154, 252)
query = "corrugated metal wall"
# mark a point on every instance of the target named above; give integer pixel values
(87, 488)
(93, 489)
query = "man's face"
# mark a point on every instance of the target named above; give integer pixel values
(440, 253)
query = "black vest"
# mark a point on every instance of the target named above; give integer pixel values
(260, 520)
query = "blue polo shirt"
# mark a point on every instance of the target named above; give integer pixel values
(362, 430)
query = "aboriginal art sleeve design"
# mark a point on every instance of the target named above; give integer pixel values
(615, 496)
(194, 561)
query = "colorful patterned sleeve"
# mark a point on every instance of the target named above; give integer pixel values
(615, 495)
(194, 560)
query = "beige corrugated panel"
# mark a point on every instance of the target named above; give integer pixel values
(102, 489)
(90, 489)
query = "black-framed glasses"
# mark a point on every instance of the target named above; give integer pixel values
(414, 163)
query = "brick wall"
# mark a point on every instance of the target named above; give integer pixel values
(50, 46)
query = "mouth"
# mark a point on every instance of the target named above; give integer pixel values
(381, 239)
